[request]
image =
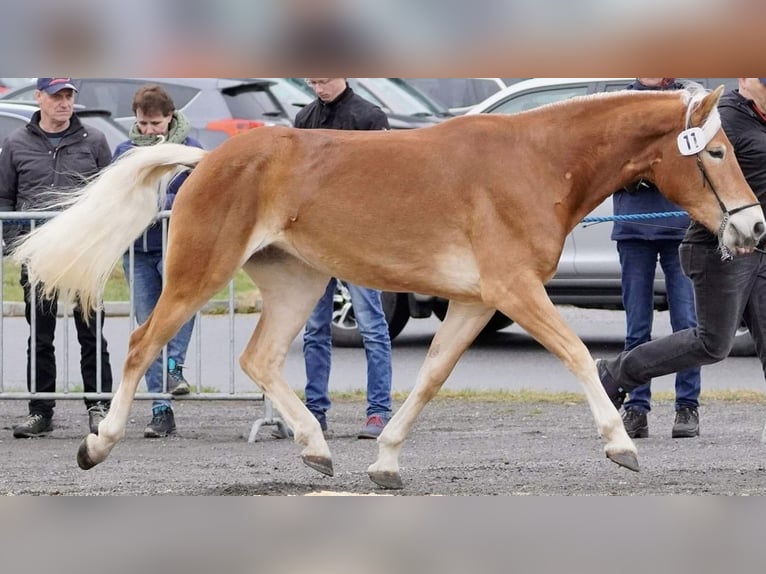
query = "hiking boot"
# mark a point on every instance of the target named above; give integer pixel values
(635, 423)
(163, 424)
(35, 425)
(96, 413)
(615, 392)
(374, 426)
(284, 431)
(177, 384)
(687, 423)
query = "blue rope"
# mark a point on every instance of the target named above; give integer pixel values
(634, 217)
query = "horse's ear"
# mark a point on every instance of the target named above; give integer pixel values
(707, 105)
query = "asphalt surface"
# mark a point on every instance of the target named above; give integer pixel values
(456, 448)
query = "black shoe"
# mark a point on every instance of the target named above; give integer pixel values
(687, 423)
(35, 425)
(177, 384)
(163, 423)
(635, 423)
(96, 413)
(615, 392)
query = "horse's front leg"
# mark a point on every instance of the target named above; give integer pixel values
(537, 315)
(460, 327)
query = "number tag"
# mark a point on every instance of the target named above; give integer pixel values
(691, 141)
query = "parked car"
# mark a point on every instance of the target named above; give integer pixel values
(217, 108)
(14, 115)
(461, 94)
(588, 273)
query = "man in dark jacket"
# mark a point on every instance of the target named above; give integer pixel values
(54, 152)
(726, 290)
(338, 107)
(640, 245)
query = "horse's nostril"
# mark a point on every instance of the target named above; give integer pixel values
(758, 229)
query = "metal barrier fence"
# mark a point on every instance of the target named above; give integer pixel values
(198, 391)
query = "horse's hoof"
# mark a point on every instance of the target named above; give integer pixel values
(627, 459)
(83, 458)
(386, 479)
(319, 463)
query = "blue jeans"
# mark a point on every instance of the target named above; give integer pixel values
(727, 292)
(147, 287)
(317, 350)
(638, 260)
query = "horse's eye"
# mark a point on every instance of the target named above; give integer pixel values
(716, 153)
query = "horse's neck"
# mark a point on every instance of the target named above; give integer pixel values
(611, 143)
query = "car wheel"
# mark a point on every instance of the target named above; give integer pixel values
(345, 331)
(497, 322)
(743, 344)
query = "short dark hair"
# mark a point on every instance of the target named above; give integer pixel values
(152, 98)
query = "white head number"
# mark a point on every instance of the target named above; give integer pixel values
(692, 141)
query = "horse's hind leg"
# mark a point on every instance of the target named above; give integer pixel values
(537, 315)
(460, 327)
(146, 342)
(290, 290)
(187, 287)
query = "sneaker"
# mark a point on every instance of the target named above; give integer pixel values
(163, 424)
(177, 384)
(636, 423)
(615, 392)
(687, 423)
(284, 431)
(96, 413)
(35, 425)
(374, 426)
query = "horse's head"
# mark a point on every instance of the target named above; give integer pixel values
(697, 169)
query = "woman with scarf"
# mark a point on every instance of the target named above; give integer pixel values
(157, 121)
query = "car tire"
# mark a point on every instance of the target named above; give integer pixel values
(344, 329)
(497, 322)
(743, 344)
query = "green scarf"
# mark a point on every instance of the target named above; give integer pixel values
(178, 131)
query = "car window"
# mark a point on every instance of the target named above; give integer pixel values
(251, 103)
(292, 97)
(400, 101)
(530, 100)
(457, 92)
(117, 96)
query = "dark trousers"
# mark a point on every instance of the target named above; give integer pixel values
(726, 293)
(45, 359)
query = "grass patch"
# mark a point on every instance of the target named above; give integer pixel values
(116, 286)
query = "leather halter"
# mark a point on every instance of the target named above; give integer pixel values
(726, 254)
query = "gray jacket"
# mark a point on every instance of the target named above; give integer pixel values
(29, 164)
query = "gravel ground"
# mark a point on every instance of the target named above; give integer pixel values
(456, 448)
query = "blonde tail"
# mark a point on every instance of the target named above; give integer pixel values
(74, 253)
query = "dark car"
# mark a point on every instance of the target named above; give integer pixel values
(14, 115)
(217, 108)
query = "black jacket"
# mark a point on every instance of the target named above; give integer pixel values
(29, 164)
(346, 112)
(746, 130)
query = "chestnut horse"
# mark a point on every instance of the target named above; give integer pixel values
(474, 210)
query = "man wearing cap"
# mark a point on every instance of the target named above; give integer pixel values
(54, 151)
(726, 291)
